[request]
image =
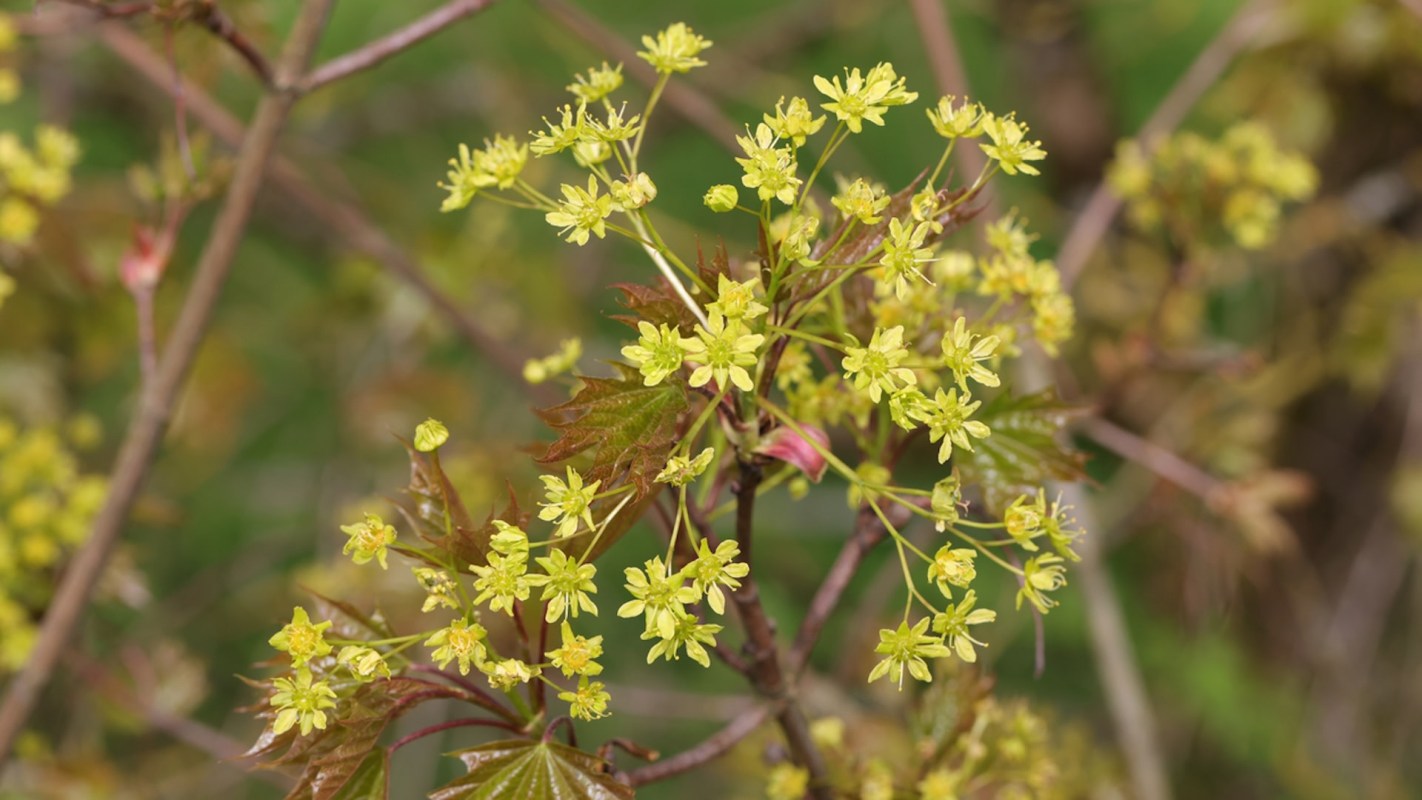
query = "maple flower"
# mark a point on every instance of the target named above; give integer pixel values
(633, 193)
(863, 97)
(657, 596)
(683, 469)
(510, 540)
(906, 648)
(582, 212)
(862, 201)
(796, 123)
(903, 252)
(944, 502)
(301, 702)
(571, 128)
(712, 570)
(657, 353)
(1023, 522)
(1008, 147)
(963, 122)
(940, 784)
(498, 163)
(1044, 573)
(787, 782)
(365, 663)
(687, 631)
(566, 585)
(963, 353)
(770, 170)
(502, 581)
(952, 623)
(568, 502)
(674, 49)
(615, 129)
(599, 83)
(369, 539)
(430, 435)
(723, 351)
(588, 702)
(947, 419)
(736, 301)
(952, 567)
(799, 238)
(876, 367)
(300, 639)
(508, 673)
(1060, 528)
(721, 198)
(439, 588)
(460, 641)
(576, 655)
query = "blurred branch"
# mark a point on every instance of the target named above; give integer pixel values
(1415, 6)
(392, 44)
(715, 746)
(936, 32)
(680, 97)
(351, 225)
(1164, 463)
(144, 434)
(867, 533)
(205, 13)
(1102, 206)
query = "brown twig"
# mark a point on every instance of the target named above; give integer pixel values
(1102, 205)
(713, 747)
(1164, 463)
(371, 54)
(347, 221)
(156, 403)
(867, 533)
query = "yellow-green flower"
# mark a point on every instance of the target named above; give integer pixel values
(769, 169)
(952, 624)
(962, 122)
(736, 301)
(674, 49)
(571, 128)
(633, 193)
(947, 420)
(502, 582)
(864, 97)
(787, 782)
(940, 784)
(1009, 148)
(1023, 522)
(588, 702)
(460, 641)
(952, 567)
(712, 570)
(566, 585)
(657, 596)
(964, 352)
(499, 163)
(439, 588)
(876, 368)
(903, 252)
(905, 649)
(301, 702)
(723, 351)
(615, 129)
(582, 211)
(576, 656)
(687, 631)
(508, 673)
(300, 639)
(369, 539)
(721, 198)
(365, 663)
(1042, 574)
(683, 469)
(599, 83)
(568, 502)
(658, 352)
(796, 123)
(862, 201)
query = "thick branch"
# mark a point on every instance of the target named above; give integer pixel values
(1101, 208)
(766, 674)
(156, 404)
(715, 746)
(392, 44)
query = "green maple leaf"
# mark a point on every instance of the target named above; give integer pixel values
(1025, 450)
(532, 770)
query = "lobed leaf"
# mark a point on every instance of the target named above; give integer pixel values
(532, 770)
(1025, 450)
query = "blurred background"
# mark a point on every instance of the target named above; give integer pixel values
(1249, 369)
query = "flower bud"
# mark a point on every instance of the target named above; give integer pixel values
(789, 446)
(430, 434)
(721, 198)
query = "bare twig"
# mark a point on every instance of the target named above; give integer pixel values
(715, 746)
(350, 224)
(1164, 463)
(156, 404)
(867, 533)
(1101, 207)
(392, 44)
(1415, 6)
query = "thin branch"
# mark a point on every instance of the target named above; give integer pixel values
(715, 746)
(347, 221)
(392, 44)
(157, 399)
(471, 722)
(867, 533)
(1102, 206)
(1164, 463)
